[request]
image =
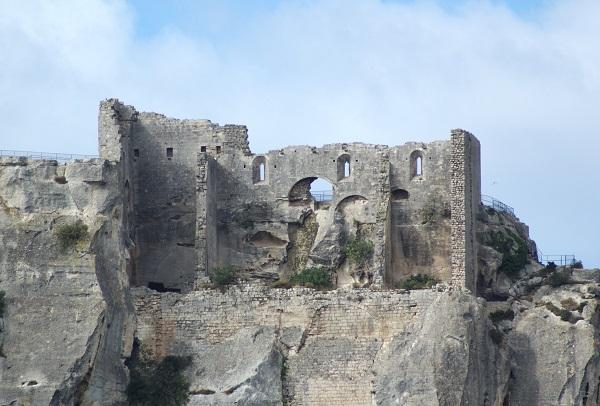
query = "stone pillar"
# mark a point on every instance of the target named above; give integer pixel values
(206, 217)
(465, 197)
(114, 124)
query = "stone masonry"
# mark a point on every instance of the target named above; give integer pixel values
(201, 199)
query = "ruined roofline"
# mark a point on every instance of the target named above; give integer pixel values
(359, 144)
(150, 114)
(129, 113)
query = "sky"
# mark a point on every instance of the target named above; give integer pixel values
(523, 76)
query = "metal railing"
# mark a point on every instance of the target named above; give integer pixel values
(54, 156)
(322, 195)
(558, 259)
(497, 204)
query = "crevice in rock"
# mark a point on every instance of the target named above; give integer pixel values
(202, 392)
(73, 388)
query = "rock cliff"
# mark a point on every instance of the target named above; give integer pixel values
(72, 325)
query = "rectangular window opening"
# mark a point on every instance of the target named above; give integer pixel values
(136, 153)
(218, 149)
(203, 148)
(169, 152)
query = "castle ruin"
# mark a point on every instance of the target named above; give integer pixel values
(198, 198)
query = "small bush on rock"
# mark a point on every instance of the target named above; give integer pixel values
(318, 278)
(418, 281)
(222, 276)
(359, 251)
(513, 249)
(577, 265)
(70, 234)
(556, 279)
(159, 383)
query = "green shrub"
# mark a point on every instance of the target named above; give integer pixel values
(500, 315)
(312, 278)
(428, 214)
(70, 234)
(222, 276)
(564, 314)
(546, 271)
(2, 302)
(557, 279)
(577, 265)
(155, 383)
(359, 251)
(418, 281)
(513, 249)
(551, 266)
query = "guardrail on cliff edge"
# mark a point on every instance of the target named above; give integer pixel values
(497, 204)
(55, 156)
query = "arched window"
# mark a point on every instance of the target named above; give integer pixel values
(259, 169)
(416, 164)
(343, 166)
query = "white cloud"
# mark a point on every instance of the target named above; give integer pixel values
(317, 72)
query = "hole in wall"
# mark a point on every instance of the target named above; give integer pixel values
(218, 149)
(399, 194)
(159, 287)
(315, 189)
(266, 239)
(203, 148)
(169, 152)
(136, 153)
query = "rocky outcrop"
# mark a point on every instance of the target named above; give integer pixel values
(554, 347)
(65, 318)
(71, 317)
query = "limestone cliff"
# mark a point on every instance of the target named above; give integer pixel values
(72, 324)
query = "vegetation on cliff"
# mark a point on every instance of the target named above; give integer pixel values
(222, 276)
(159, 383)
(418, 281)
(69, 234)
(359, 251)
(513, 249)
(317, 278)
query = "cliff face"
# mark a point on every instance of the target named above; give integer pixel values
(72, 323)
(59, 299)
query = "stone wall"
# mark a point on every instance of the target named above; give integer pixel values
(331, 347)
(265, 222)
(206, 209)
(465, 203)
(160, 159)
(419, 212)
